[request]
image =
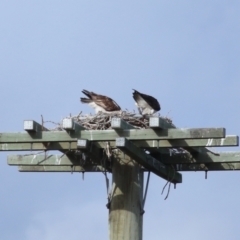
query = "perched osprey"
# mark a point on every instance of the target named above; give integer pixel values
(100, 103)
(146, 104)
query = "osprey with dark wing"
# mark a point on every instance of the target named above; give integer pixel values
(146, 104)
(100, 103)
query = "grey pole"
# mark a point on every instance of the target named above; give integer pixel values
(125, 219)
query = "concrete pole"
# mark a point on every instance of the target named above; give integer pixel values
(125, 219)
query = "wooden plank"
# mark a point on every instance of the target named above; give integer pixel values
(55, 159)
(147, 161)
(159, 123)
(209, 142)
(111, 135)
(92, 154)
(38, 146)
(70, 125)
(192, 151)
(43, 168)
(147, 144)
(139, 155)
(33, 126)
(89, 148)
(119, 123)
(208, 167)
(205, 157)
(42, 159)
(183, 167)
(98, 168)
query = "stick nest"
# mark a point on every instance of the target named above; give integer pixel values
(102, 121)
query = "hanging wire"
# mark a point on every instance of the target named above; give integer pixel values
(145, 194)
(169, 182)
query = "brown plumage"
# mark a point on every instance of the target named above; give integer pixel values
(99, 102)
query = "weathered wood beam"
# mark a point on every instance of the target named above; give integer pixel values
(89, 148)
(206, 157)
(93, 168)
(44, 168)
(42, 159)
(70, 125)
(159, 123)
(110, 135)
(84, 145)
(193, 150)
(38, 146)
(140, 156)
(147, 161)
(33, 126)
(147, 144)
(208, 167)
(85, 150)
(209, 142)
(119, 123)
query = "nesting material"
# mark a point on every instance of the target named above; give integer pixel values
(102, 121)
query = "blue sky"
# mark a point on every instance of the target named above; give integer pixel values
(186, 54)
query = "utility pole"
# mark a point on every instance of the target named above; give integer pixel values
(159, 148)
(125, 213)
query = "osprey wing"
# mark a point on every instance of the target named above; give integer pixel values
(146, 101)
(100, 102)
(107, 103)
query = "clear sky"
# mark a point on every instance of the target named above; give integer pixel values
(184, 53)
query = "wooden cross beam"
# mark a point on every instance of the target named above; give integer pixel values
(111, 135)
(208, 167)
(192, 151)
(73, 168)
(228, 141)
(175, 159)
(131, 151)
(98, 168)
(160, 139)
(147, 161)
(47, 160)
(200, 158)
(140, 156)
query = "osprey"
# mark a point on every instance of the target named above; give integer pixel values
(100, 103)
(146, 104)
